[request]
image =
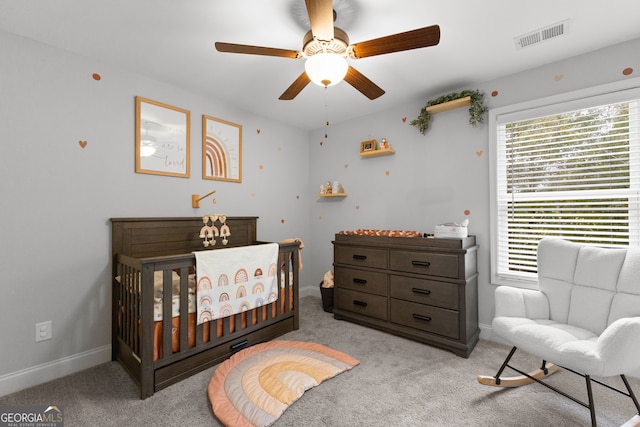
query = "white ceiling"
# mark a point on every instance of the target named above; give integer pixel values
(173, 41)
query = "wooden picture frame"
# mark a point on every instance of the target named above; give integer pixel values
(369, 145)
(221, 150)
(162, 139)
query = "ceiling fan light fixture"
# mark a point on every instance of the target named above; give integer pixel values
(326, 69)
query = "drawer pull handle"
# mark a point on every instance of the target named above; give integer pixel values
(239, 345)
(421, 291)
(360, 303)
(420, 317)
(425, 264)
(360, 281)
(360, 257)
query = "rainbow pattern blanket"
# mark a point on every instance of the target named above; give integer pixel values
(233, 280)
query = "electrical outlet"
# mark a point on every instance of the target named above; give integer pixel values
(43, 331)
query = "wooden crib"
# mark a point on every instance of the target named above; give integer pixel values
(150, 253)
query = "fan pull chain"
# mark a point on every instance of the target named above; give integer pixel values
(326, 112)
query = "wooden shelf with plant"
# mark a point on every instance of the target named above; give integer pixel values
(471, 98)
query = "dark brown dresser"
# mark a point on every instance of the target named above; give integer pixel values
(425, 289)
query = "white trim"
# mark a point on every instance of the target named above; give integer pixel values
(486, 333)
(45, 372)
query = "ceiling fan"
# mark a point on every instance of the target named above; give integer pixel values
(326, 47)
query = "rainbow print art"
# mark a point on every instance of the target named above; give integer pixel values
(221, 149)
(218, 157)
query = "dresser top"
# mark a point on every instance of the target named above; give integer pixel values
(423, 242)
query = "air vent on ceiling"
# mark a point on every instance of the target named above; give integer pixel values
(543, 34)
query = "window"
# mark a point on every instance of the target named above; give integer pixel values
(571, 170)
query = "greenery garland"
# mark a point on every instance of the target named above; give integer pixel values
(476, 109)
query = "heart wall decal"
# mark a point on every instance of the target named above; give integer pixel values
(82, 143)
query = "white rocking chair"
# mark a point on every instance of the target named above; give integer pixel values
(585, 317)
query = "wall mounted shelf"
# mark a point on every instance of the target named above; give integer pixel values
(333, 195)
(451, 105)
(376, 153)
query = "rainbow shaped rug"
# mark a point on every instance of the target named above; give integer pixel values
(255, 386)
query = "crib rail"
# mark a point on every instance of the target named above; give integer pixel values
(138, 338)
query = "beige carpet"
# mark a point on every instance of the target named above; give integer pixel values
(397, 383)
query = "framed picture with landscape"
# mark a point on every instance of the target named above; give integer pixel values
(162, 139)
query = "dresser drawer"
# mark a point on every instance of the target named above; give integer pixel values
(361, 256)
(422, 291)
(434, 264)
(365, 304)
(425, 318)
(361, 280)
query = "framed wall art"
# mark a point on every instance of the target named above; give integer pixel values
(162, 138)
(221, 150)
(369, 145)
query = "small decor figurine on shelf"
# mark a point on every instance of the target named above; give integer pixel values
(329, 188)
(384, 144)
(322, 190)
(340, 189)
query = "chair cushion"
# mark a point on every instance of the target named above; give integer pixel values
(556, 267)
(565, 345)
(590, 308)
(579, 281)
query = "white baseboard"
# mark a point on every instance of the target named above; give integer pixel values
(486, 333)
(46, 372)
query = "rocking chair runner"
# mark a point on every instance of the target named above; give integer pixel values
(585, 317)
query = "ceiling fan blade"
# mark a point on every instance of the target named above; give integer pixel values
(321, 18)
(414, 39)
(296, 87)
(358, 80)
(256, 50)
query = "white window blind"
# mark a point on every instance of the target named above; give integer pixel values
(570, 170)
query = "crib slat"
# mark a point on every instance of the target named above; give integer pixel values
(286, 289)
(226, 326)
(167, 313)
(132, 308)
(250, 317)
(146, 333)
(200, 333)
(136, 310)
(184, 309)
(125, 301)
